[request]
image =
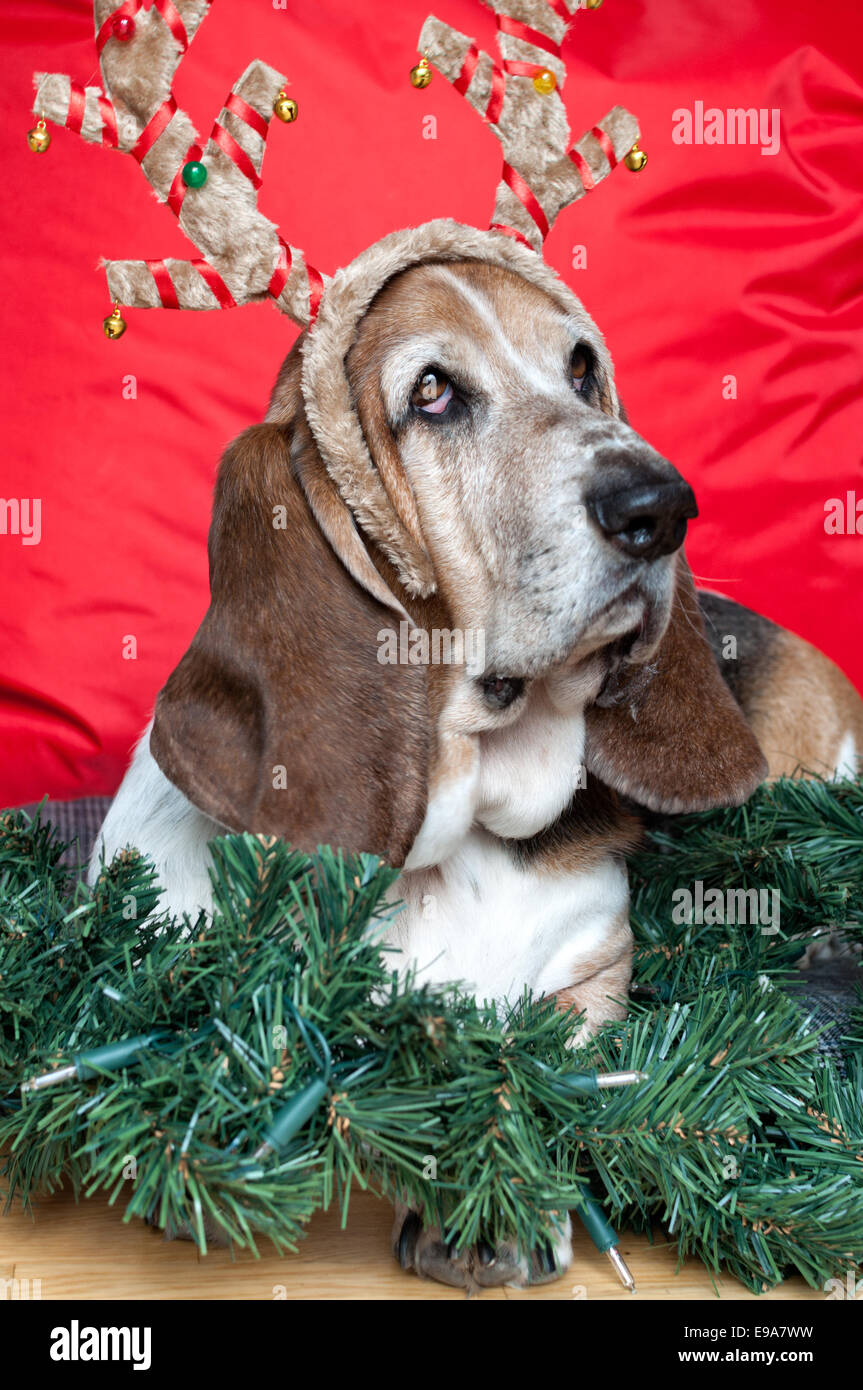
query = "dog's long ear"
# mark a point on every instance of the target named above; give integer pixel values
(280, 719)
(675, 738)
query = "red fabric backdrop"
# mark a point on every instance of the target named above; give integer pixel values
(716, 260)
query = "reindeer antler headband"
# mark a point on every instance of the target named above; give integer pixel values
(213, 187)
(213, 190)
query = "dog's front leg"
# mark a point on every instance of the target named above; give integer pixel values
(598, 991)
(600, 986)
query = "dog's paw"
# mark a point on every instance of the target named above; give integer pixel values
(213, 1234)
(421, 1247)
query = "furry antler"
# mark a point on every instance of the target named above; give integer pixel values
(541, 172)
(140, 44)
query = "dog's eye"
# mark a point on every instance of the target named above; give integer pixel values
(432, 393)
(579, 366)
(501, 691)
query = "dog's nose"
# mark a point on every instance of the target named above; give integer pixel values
(646, 520)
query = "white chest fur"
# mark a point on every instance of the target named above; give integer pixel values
(471, 912)
(481, 919)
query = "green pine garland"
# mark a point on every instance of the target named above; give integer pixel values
(281, 1061)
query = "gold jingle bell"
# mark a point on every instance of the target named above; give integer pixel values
(285, 108)
(114, 325)
(38, 138)
(421, 75)
(636, 159)
(592, 4)
(545, 82)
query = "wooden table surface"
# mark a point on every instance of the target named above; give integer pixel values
(85, 1251)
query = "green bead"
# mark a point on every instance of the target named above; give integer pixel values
(194, 174)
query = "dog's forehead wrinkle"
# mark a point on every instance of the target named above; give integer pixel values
(506, 322)
(531, 318)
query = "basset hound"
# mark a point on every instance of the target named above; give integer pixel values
(507, 790)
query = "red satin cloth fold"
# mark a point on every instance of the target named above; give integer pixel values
(729, 285)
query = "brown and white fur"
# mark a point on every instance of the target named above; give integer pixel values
(513, 858)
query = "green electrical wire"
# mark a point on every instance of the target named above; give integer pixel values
(604, 1237)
